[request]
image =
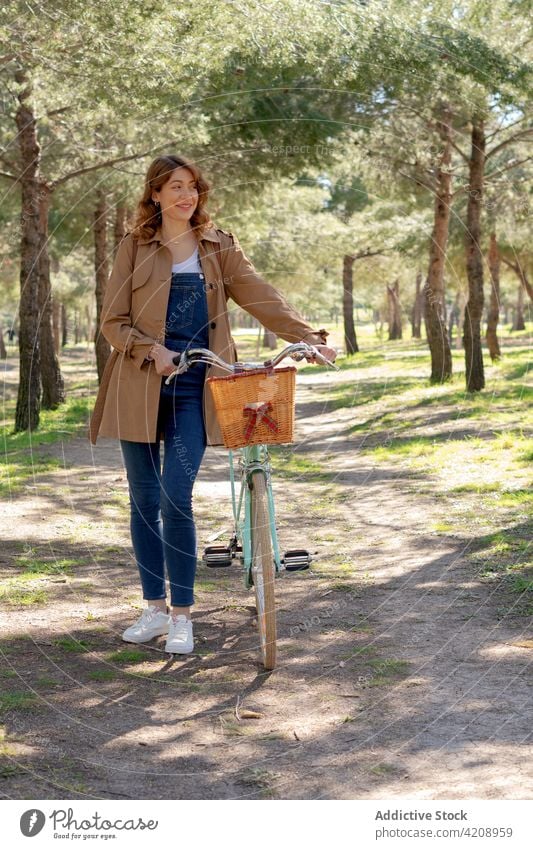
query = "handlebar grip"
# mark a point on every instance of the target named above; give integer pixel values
(176, 359)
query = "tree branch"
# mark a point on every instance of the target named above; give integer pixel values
(521, 274)
(367, 252)
(58, 111)
(511, 165)
(105, 164)
(461, 152)
(502, 128)
(527, 132)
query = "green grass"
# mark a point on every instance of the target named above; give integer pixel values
(40, 567)
(31, 585)
(383, 769)
(102, 675)
(23, 458)
(21, 596)
(522, 584)
(505, 555)
(290, 464)
(17, 701)
(386, 671)
(127, 656)
(402, 385)
(208, 586)
(362, 651)
(343, 587)
(473, 449)
(71, 645)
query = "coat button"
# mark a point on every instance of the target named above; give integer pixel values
(213, 325)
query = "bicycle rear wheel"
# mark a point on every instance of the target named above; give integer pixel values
(263, 570)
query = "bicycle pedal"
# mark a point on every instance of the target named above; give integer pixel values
(216, 556)
(296, 560)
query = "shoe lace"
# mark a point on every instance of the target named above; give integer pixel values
(179, 626)
(147, 614)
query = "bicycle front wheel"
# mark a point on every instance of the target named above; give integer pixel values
(263, 570)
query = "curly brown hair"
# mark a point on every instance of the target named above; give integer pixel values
(148, 216)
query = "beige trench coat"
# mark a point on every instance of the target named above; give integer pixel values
(133, 318)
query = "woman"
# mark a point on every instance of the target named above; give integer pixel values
(168, 289)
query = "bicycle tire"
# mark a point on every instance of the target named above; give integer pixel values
(263, 570)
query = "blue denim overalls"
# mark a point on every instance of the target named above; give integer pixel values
(162, 525)
(186, 326)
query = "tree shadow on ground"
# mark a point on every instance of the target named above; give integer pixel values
(422, 653)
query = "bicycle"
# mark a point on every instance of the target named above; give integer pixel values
(254, 541)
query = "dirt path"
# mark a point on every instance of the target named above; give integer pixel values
(396, 677)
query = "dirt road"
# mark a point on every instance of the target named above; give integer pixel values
(397, 677)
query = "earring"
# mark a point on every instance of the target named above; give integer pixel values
(156, 202)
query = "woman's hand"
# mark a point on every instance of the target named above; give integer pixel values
(327, 352)
(162, 358)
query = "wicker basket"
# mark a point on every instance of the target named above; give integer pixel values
(256, 406)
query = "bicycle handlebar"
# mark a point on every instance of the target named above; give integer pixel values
(297, 351)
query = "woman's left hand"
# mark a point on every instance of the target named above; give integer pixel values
(163, 359)
(327, 352)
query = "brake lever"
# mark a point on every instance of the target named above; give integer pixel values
(327, 362)
(182, 365)
(318, 356)
(171, 376)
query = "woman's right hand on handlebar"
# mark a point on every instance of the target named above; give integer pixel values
(329, 353)
(162, 358)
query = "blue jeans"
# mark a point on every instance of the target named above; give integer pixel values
(161, 521)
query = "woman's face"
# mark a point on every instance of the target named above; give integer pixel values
(178, 196)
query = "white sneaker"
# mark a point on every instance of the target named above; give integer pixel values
(180, 639)
(151, 623)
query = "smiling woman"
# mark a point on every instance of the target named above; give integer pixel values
(174, 199)
(168, 291)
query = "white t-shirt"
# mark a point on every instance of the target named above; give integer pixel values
(191, 265)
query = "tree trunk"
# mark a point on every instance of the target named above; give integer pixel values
(56, 318)
(518, 320)
(434, 301)
(416, 314)
(493, 316)
(51, 377)
(475, 378)
(89, 319)
(102, 347)
(395, 313)
(28, 399)
(459, 342)
(269, 339)
(520, 271)
(3, 352)
(121, 218)
(453, 318)
(64, 325)
(350, 339)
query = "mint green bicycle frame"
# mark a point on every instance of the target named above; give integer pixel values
(253, 458)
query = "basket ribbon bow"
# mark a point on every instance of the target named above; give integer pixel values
(258, 413)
